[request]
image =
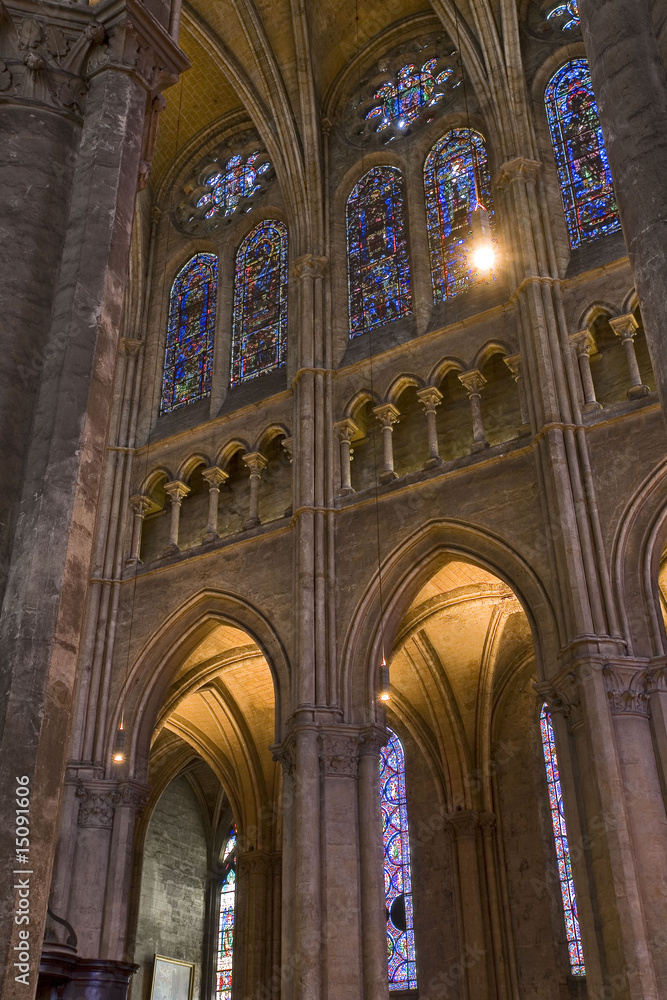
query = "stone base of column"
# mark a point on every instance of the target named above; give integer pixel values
(346, 491)
(210, 536)
(479, 446)
(388, 477)
(591, 407)
(171, 550)
(432, 463)
(524, 431)
(637, 391)
(253, 522)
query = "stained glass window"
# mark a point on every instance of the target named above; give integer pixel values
(236, 180)
(188, 359)
(259, 341)
(569, 11)
(572, 930)
(397, 881)
(223, 980)
(414, 89)
(456, 180)
(377, 253)
(585, 179)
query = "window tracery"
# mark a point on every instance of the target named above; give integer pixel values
(237, 180)
(378, 267)
(586, 185)
(568, 12)
(401, 100)
(572, 930)
(259, 338)
(397, 878)
(224, 964)
(456, 181)
(188, 362)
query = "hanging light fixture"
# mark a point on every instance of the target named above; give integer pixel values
(482, 254)
(385, 691)
(118, 755)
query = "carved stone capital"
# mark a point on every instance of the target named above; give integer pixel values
(288, 447)
(625, 326)
(215, 476)
(255, 462)
(387, 414)
(561, 694)
(583, 342)
(97, 803)
(472, 381)
(515, 364)
(429, 397)
(520, 168)
(339, 753)
(254, 863)
(140, 504)
(656, 677)
(133, 795)
(463, 823)
(176, 490)
(372, 740)
(129, 347)
(309, 266)
(347, 430)
(285, 754)
(627, 689)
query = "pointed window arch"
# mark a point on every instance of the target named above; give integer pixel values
(377, 252)
(397, 878)
(581, 158)
(188, 362)
(572, 930)
(456, 181)
(225, 951)
(259, 339)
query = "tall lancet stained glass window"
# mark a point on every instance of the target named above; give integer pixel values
(397, 880)
(569, 898)
(259, 340)
(456, 181)
(377, 252)
(223, 972)
(581, 158)
(188, 361)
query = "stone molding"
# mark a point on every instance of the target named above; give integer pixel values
(339, 748)
(519, 168)
(463, 823)
(254, 863)
(48, 54)
(309, 266)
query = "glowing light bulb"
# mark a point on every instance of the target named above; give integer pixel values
(384, 693)
(118, 755)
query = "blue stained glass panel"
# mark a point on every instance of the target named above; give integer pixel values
(414, 88)
(581, 158)
(236, 180)
(572, 931)
(188, 362)
(397, 881)
(259, 339)
(223, 987)
(456, 181)
(569, 11)
(377, 253)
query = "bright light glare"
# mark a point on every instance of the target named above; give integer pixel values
(483, 257)
(118, 757)
(385, 696)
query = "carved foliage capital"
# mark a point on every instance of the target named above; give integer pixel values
(583, 342)
(472, 381)
(520, 168)
(562, 695)
(627, 689)
(339, 753)
(309, 266)
(97, 803)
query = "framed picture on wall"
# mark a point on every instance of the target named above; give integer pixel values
(172, 980)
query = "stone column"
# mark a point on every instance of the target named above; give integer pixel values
(463, 826)
(140, 505)
(473, 382)
(584, 345)
(630, 84)
(252, 944)
(625, 327)
(430, 398)
(78, 85)
(347, 430)
(175, 491)
(256, 463)
(388, 415)
(515, 364)
(215, 477)
(288, 448)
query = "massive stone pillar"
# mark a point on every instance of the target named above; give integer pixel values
(630, 84)
(77, 86)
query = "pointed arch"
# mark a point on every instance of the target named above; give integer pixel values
(377, 251)
(259, 338)
(188, 360)
(586, 185)
(456, 181)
